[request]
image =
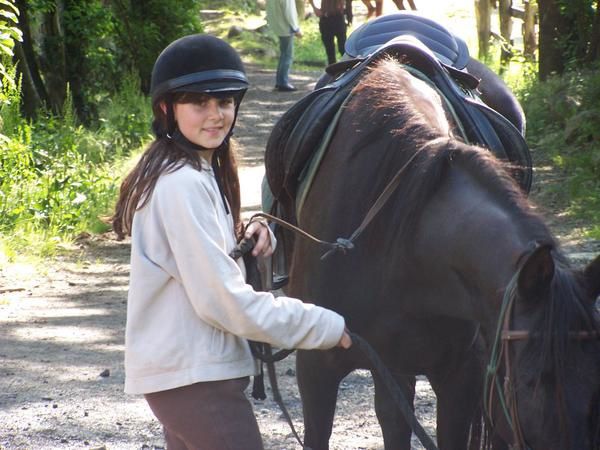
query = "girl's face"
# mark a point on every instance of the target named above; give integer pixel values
(205, 120)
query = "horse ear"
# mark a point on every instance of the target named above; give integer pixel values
(592, 277)
(536, 274)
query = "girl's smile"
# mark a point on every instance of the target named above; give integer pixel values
(205, 120)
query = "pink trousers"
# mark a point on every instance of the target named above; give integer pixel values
(213, 415)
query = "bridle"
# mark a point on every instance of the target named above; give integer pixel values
(501, 353)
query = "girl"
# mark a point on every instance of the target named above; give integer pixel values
(189, 311)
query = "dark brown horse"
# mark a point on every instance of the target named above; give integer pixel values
(455, 251)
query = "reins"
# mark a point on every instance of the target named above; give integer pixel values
(263, 352)
(396, 393)
(501, 353)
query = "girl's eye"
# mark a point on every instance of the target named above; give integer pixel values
(227, 101)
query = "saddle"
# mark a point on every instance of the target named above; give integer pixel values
(430, 52)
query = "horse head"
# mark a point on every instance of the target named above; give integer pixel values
(551, 336)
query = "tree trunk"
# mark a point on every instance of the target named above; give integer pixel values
(35, 93)
(482, 14)
(551, 55)
(504, 14)
(529, 37)
(30, 97)
(53, 58)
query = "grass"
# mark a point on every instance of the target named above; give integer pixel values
(258, 45)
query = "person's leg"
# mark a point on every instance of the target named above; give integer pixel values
(370, 8)
(326, 27)
(378, 8)
(214, 415)
(286, 56)
(340, 33)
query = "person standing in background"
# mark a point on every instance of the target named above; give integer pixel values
(334, 17)
(282, 18)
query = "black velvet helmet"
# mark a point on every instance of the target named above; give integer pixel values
(198, 63)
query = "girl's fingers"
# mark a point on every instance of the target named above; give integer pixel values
(262, 237)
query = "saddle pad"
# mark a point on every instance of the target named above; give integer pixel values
(308, 174)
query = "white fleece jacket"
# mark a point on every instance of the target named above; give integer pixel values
(189, 310)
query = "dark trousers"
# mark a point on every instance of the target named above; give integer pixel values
(333, 27)
(214, 415)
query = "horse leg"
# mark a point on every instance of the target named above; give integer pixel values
(370, 8)
(396, 432)
(458, 392)
(319, 374)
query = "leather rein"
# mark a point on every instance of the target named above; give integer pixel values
(501, 353)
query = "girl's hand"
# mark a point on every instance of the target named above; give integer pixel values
(262, 237)
(345, 341)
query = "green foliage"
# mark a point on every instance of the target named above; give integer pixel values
(563, 114)
(58, 178)
(233, 6)
(145, 28)
(258, 45)
(91, 52)
(578, 17)
(309, 49)
(9, 33)
(10, 97)
(125, 119)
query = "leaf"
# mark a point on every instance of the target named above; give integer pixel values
(6, 49)
(9, 15)
(9, 4)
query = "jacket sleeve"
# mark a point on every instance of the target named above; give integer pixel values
(215, 284)
(291, 14)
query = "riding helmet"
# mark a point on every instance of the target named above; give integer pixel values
(198, 63)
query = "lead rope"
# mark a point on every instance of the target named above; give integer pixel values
(263, 352)
(397, 395)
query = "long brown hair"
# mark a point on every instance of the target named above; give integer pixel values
(164, 155)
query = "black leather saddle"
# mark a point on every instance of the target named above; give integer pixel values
(449, 49)
(299, 131)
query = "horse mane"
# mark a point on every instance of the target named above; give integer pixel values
(565, 311)
(404, 126)
(386, 112)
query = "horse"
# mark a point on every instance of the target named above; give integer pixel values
(457, 277)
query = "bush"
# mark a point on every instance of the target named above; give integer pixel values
(125, 119)
(563, 114)
(58, 178)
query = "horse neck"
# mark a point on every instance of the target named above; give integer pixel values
(478, 237)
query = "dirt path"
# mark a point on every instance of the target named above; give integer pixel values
(61, 333)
